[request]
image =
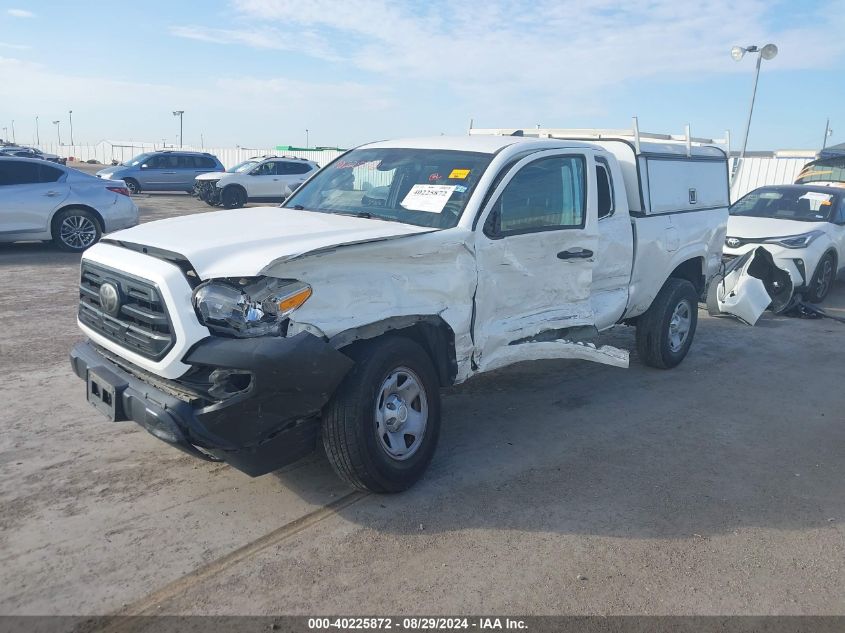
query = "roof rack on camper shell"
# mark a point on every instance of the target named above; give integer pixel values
(609, 134)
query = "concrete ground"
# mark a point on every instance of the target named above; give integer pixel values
(560, 487)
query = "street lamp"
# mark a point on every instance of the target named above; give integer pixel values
(70, 116)
(13, 132)
(306, 138)
(58, 125)
(769, 51)
(37, 134)
(179, 113)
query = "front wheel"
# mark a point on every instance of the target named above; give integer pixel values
(822, 279)
(132, 185)
(75, 230)
(380, 429)
(665, 331)
(233, 197)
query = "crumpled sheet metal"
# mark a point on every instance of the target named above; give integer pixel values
(749, 285)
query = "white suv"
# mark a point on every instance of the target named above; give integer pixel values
(263, 179)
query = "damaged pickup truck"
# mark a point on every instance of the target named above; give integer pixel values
(403, 266)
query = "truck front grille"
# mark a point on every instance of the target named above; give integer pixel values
(140, 323)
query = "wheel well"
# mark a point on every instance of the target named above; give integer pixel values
(693, 271)
(431, 333)
(92, 210)
(235, 185)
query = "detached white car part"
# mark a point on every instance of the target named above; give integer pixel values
(403, 266)
(749, 285)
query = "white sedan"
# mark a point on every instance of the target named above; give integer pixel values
(40, 200)
(803, 227)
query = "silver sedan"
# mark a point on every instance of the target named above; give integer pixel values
(40, 200)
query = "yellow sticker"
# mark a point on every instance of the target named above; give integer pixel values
(459, 174)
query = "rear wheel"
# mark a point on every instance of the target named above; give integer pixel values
(132, 185)
(822, 279)
(380, 429)
(75, 230)
(666, 330)
(234, 197)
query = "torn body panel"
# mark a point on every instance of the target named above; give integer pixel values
(749, 285)
(360, 285)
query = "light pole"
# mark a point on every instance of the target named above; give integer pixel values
(179, 113)
(306, 138)
(70, 117)
(767, 52)
(5, 134)
(58, 125)
(13, 131)
(37, 134)
(827, 133)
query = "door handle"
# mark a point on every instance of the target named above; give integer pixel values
(575, 253)
(52, 193)
(168, 172)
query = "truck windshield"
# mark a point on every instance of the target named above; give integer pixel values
(785, 204)
(423, 187)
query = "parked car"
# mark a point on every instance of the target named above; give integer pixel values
(167, 170)
(40, 200)
(245, 336)
(30, 152)
(802, 226)
(266, 179)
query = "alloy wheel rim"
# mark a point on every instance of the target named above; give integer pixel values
(401, 414)
(679, 326)
(77, 231)
(824, 279)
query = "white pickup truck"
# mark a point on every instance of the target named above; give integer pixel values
(403, 266)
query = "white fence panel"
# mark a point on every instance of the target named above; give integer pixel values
(105, 152)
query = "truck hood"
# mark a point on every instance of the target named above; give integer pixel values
(746, 226)
(242, 242)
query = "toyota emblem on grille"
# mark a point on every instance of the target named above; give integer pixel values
(732, 242)
(110, 298)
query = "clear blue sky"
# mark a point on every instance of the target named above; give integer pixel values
(259, 72)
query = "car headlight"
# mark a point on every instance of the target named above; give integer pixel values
(247, 307)
(795, 241)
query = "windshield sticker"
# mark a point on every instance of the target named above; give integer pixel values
(430, 198)
(459, 174)
(434, 177)
(460, 188)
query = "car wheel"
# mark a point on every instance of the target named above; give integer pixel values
(132, 185)
(822, 279)
(380, 429)
(234, 197)
(75, 230)
(665, 331)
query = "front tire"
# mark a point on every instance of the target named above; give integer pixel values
(74, 230)
(233, 197)
(822, 279)
(665, 331)
(380, 429)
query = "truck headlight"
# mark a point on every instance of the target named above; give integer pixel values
(252, 306)
(794, 241)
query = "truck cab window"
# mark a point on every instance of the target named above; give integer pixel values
(547, 194)
(604, 189)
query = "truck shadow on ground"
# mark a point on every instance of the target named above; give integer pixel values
(718, 444)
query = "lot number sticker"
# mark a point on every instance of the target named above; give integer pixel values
(430, 198)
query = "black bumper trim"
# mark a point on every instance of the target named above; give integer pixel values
(269, 425)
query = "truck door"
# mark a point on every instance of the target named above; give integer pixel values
(535, 251)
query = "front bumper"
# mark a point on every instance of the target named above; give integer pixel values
(271, 422)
